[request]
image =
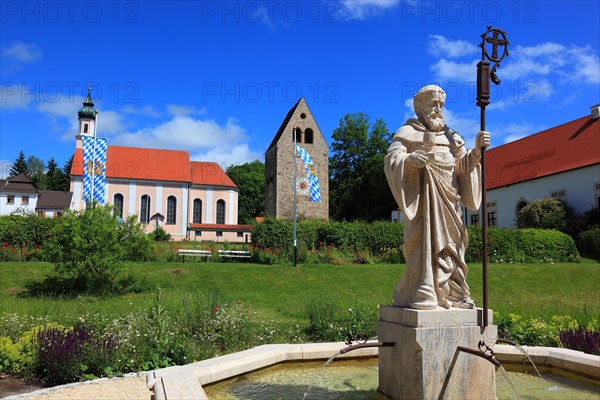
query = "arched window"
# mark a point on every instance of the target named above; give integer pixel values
(298, 135)
(221, 212)
(145, 209)
(118, 204)
(518, 207)
(85, 128)
(197, 212)
(171, 210)
(308, 135)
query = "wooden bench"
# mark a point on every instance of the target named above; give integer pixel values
(194, 253)
(234, 253)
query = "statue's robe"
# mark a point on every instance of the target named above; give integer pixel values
(435, 238)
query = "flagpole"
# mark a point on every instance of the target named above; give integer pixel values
(295, 255)
(94, 157)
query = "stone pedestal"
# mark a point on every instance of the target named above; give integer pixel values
(425, 363)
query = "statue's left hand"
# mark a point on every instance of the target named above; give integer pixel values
(482, 141)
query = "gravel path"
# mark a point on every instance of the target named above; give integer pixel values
(128, 388)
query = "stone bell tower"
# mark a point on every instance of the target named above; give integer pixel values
(279, 168)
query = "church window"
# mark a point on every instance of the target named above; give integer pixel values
(197, 212)
(298, 134)
(145, 209)
(85, 128)
(171, 210)
(221, 212)
(308, 136)
(303, 115)
(118, 204)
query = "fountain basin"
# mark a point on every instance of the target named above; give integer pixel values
(186, 381)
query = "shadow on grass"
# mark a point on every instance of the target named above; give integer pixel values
(55, 286)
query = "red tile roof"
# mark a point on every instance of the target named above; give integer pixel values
(209, 173)
(565, 147)
(154, 164)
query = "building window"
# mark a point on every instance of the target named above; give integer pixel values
(559, 194)
(58, 214)
(198, 233)
(171, 210)
(240, 234)
(24, 200)
(308, 136)
(41, 214)
(475, 219)
(492, 218)
(85, 128)
(118, 204)
(145, 209)
(219, 233)
(197, 212)
(10, 199)
(221, 212)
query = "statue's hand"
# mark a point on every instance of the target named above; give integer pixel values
(481, 141)
(417, 158)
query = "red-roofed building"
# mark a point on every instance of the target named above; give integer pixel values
(561, 162)
(189, 199)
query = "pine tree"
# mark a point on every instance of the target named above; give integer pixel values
(19, 166)
(54, 175)
(65, 181)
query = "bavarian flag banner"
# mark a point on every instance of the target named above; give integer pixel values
(313, 180)
(94, 169)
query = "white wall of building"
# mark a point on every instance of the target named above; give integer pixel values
(17, 202)
(579, 184)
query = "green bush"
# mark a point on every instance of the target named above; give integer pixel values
(160, 235)
(589, 242)
(86, 245)
(522, 245)
(22, 237)
(534, 331)
(545, 213)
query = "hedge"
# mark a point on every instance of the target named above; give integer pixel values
(520, 245)
(589, 242)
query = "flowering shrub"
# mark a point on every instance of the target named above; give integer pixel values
(537, 331)
(580, 339)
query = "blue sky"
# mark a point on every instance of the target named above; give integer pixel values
(216, 78)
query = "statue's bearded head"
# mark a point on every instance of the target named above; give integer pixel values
(429, 104)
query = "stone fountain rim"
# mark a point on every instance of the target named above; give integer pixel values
(187, 380)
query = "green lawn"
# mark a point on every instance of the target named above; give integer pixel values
(281, 292)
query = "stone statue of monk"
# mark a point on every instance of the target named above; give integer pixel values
(429, 171)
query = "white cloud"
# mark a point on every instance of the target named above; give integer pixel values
(13, 96)
(363, 9)
(184, 132)
(516, 131)
(182, 110)
(570, 64)
(452, 71)
(22, 52)
(228, 155)
(440, 46)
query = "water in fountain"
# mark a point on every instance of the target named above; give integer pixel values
(522, 350)
(318, 374)
(358, 379)
(507, 379)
